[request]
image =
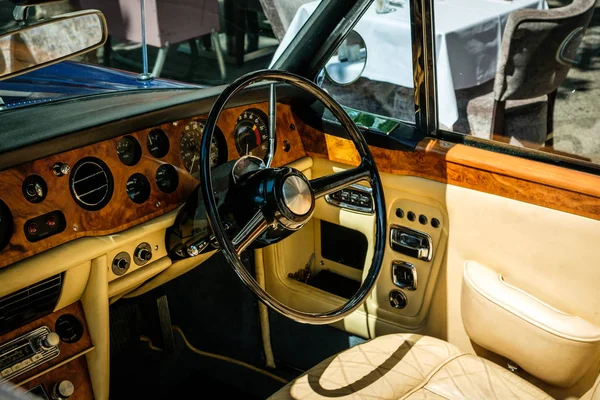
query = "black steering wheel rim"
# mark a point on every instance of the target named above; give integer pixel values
(219, 230)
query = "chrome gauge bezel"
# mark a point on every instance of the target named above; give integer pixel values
(189, 147)
(258, 121)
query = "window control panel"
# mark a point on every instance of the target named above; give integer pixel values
(354, 197)
(404, 275)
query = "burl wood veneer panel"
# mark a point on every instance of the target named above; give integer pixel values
(508, 176)
(121, 212)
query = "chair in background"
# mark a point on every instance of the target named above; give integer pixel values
(538, 49)
(241, 20)
(167, 23)
(280, 14)
(242, 27)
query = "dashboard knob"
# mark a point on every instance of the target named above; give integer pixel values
(61, 169)
(35, 189)
(62, 390)
(51, 340)
(122, 263)
(144, 254)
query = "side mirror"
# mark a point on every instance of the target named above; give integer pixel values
(349, 61)
(35, 46)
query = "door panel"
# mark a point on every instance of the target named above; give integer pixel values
(500, 211)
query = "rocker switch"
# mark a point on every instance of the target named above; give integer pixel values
(404, 275)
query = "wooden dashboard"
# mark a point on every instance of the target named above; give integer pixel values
(120, 212)
(529, 181)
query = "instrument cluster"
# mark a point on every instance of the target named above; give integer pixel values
(117, 183)
(158, 144)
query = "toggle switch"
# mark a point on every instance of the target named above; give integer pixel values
(404, 275)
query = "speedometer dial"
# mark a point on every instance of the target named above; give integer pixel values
(252, 133)
(190, 147)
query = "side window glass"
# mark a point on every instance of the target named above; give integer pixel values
(521, 72)
(371, 72)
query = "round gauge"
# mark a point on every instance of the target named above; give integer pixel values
(167, 179)
(138, 188)
(158, 143)
(129, 150)
(252, 133)
(190, 147)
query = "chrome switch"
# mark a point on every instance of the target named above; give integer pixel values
(412, 243)
(404, 275)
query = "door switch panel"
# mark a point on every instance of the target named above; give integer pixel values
(411, 243)
(355, 197)
(404, 275)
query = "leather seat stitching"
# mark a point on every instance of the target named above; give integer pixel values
(436, 393)
(432, 374)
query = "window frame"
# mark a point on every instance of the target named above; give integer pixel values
(422, 18)
(334, 19)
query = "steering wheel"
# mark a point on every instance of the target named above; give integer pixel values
(283, 199)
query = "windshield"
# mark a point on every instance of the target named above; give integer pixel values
(196, 44)
(205, 43)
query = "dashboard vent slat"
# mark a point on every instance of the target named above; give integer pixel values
(91, 184)
(27, 304)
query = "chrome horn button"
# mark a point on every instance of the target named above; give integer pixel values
(297, 196)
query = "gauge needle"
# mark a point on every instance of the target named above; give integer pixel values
(246, 148)
(193, 162)
(256, 134)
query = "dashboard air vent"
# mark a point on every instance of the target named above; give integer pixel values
(30, 303)
(91, 183)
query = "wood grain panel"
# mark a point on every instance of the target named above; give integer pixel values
(75, 371)
(286, 131)
(67, 350)
(121, 212)
(500, 174)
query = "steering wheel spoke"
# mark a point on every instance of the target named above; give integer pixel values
(334, 182)
(256, 226)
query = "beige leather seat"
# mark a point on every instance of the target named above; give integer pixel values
(406, 366)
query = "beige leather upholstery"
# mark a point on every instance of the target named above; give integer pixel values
(594, 392)
(406, 366)
(511, 322)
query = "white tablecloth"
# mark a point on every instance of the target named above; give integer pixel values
(468, 44)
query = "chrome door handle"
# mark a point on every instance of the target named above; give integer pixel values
(411, 243)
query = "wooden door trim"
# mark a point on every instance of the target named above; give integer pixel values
(504, 175)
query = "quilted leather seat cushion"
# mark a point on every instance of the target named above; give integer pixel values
(405, 366)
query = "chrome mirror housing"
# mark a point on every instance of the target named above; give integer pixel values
(349, 60)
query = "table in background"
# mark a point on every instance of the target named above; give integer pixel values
(468, 44)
